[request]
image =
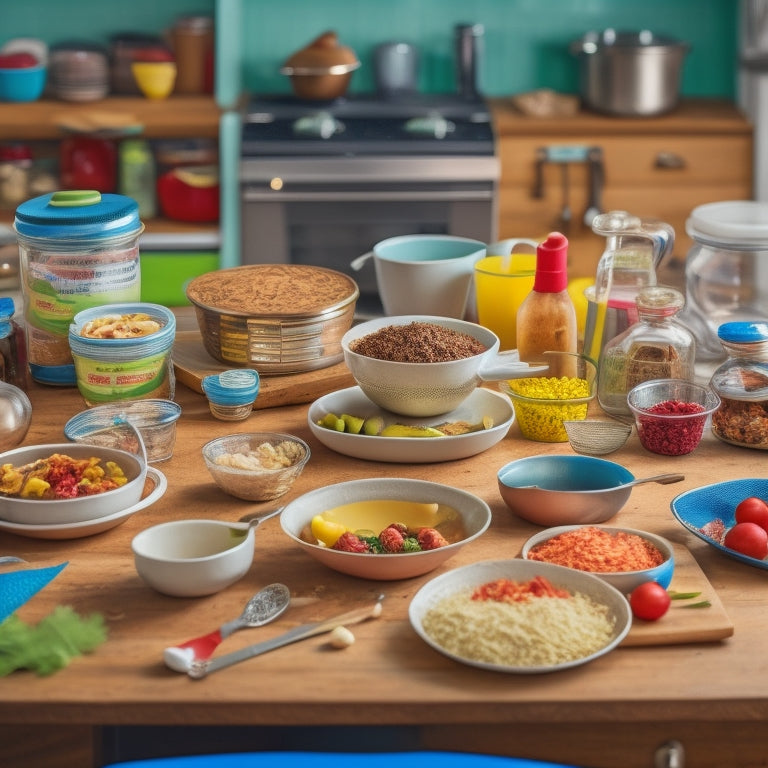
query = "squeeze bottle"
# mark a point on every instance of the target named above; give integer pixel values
(546, 320)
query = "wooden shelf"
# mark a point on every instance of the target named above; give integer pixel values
(175, 117)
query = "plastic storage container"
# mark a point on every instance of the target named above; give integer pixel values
(231, 393)
(655, 347)
(742, 384)
(77, 249)
(129, 366)
(726, 271)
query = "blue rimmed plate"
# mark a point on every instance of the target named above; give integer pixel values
(701, 508)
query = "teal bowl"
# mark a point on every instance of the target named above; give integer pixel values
(24, 84)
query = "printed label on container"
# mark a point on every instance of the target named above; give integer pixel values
(101, 382)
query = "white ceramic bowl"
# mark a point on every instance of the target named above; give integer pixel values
(192, 558)
(624, 581)
(63, 511)
(428, 389)
(297, 516)
(259, 484)
(477, 574)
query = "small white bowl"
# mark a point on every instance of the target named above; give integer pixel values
(192, 558)
(624, 581)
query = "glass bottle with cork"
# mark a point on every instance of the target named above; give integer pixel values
(546, 320)
(655, 347)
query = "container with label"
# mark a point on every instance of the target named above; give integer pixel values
(77, 249)
(123, 352)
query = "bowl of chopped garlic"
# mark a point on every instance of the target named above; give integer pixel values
(57, 484)
(256, 466)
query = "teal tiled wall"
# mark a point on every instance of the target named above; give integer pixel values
(526, 41)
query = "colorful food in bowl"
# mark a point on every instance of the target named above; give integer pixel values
(392, 528)
(544, 403)
(624, 557)
(420, 365)
(256, 466)
(490, 615)
(670, 414)
(76, 478)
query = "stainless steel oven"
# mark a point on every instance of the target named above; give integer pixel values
(322, 185)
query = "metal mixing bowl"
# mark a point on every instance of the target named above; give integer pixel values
(564, 490)
(15, 415)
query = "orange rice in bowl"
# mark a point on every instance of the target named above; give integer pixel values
(624, 557)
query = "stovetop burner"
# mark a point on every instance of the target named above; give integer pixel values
(434, 124)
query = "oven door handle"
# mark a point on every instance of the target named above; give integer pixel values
(379, 196)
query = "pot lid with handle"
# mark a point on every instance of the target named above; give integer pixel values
(610, 41)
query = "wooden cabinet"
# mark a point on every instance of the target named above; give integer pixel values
(659, 167)
(178, 117)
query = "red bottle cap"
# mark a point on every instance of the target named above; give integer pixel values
(552, 264)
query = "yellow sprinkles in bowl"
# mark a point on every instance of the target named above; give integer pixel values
(528, 624)
(543, 403)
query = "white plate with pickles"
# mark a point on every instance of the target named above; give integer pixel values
(348, 422)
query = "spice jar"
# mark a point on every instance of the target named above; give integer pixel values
(742, 384)
(192, 43)
(655, 347)
(13, 346)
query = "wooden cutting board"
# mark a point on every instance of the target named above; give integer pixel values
(192, 363)
(680, 624)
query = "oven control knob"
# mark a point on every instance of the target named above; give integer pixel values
(434, 125)
(322, 125)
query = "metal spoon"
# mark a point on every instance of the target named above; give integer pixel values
(201, 668)
(263, 607)
(661, 479)
(253, 520)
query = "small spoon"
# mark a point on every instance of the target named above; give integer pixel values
(263, 607)
(661, 479)
(254, 520)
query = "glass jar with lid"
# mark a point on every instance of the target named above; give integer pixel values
(657, 346)
(726, 270)
(742, 384)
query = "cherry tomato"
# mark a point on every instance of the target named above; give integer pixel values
(752, 510)
(650, 601)
(748, 539)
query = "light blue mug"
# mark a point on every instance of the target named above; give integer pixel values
(424, 274)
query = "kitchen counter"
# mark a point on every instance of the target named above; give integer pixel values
(616, 711)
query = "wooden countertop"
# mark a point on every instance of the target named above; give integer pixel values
(692, 117)
(612, 712)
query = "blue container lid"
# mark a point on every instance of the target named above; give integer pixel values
(235, 387)
(743, 332)
(78, 215)
(7, 306)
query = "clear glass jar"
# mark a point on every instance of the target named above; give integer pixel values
(655, 347)
(742, 383)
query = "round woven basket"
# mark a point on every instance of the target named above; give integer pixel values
(276, 318)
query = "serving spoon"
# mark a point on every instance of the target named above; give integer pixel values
(665, 479)
(265, 606)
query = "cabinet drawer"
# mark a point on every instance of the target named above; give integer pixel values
(646, 161)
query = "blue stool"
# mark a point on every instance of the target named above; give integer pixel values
(340, 760)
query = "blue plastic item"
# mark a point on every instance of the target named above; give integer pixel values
(340, 760)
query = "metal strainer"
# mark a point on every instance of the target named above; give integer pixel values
(597, 438)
